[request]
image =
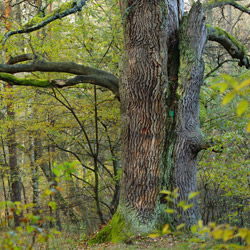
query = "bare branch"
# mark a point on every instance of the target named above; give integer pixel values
(230, 43)
(220, 64)
(214, 4)
(84, 75)
(72, 7)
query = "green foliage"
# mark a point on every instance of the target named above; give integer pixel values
(201, 233)
(235, 88)
(32, 228)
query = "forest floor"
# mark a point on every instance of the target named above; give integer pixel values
(76, 242)
(71, 241)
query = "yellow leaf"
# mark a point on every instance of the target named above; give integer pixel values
(194, 229)
(243, 232)
(192, 195)
(170, 211)
(223, 87)
(153, 235)
(165, 229)
(248, 127)
(248, 238)
(181, 204)
(228, 98)
(227, 234)
(244, 84)
(242, 106)
(229, 78)
(165, 192)
(217, 234)
(180, 226)
(187, 207)
(200, 224)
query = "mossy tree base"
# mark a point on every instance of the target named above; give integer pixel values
(115, 231)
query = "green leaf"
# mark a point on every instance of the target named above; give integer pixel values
(30, 229)
(52, 204)
(56, 171)
(242, 106)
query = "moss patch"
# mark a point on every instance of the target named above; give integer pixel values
(38, 19)
(114, 232)
(24, 81)
(221, 32)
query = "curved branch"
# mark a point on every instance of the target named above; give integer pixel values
(64, 10)
(21, 58)
(84, 75)
(230, 43)
(214, 4)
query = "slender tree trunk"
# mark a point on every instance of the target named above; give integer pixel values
(189, 138)
(33, 163)
(14, 168)
(96, 170)
(3, 183)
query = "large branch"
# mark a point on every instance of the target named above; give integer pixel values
(214, 4)
(83, 75)
(37, 23)
(230, 43)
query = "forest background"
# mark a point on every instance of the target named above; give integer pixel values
(65, 143)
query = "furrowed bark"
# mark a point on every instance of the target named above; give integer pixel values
(143, 80)
(189, 139)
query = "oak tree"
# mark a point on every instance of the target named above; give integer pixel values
(161, 73)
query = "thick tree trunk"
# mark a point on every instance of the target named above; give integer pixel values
(143, 93)
(161, 75)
